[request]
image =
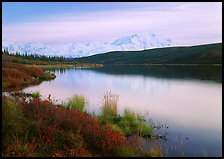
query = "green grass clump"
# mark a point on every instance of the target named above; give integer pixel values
(146, 130)
(35, 94)
(116, 128)
(76, 102)
(109, 111)
(47, 76)
(130, 123)
(110, 105)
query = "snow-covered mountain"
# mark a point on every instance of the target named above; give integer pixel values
(129, 43)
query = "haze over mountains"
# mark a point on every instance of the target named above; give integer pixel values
(138, 41)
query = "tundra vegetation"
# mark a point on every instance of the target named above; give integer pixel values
(36, 127)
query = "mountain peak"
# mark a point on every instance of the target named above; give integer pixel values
(142, 41)
(134, 42)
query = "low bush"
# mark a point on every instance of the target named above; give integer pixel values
(39, 128)
(16, 75)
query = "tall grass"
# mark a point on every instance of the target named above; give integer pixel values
(76, 102)
(130, 123)
(110, 104)
(15, 129)
(109, 110)
(12, 118)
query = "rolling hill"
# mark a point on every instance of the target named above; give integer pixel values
(200, 54)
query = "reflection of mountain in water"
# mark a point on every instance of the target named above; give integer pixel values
(213, 73)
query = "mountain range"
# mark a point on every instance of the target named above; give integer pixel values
(135, 42)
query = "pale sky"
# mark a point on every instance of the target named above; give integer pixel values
(187, 23)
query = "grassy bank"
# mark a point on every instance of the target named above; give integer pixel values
(18, 72)
(59, 66)
(40, 128)
(129, 123)
(17, 76)
(45, 64)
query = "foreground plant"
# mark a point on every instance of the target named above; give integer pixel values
(76, 102)
(56, 131)
(129, 123)
(15, 76)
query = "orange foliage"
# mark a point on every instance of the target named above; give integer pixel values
(13, 58)
(17, 75)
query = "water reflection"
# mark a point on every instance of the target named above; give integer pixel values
(213, 73)
(190, 107)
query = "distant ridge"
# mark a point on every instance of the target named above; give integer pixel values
(200, 54)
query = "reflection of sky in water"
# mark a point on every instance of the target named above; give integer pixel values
(165, 99)
(185, 105)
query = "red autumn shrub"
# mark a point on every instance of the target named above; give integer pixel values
(105, 140)
(19, 150)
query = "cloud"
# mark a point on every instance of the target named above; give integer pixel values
(186, 23)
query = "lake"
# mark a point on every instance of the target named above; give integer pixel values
(187, 99)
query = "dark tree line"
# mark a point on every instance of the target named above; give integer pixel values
(36, 56)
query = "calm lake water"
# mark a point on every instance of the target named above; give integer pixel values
(187, 99)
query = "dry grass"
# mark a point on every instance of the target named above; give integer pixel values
(109, 107)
